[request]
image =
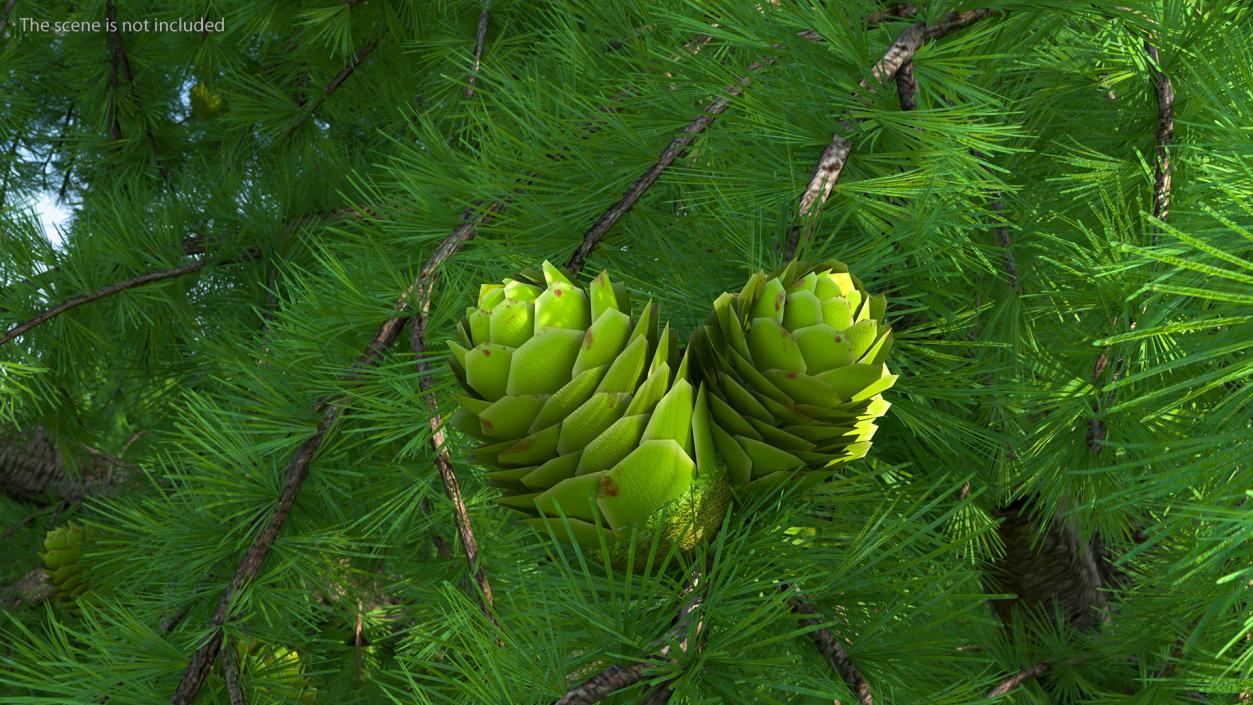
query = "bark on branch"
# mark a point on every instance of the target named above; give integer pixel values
(830, 648)
(479, 40)
(834, 158)
(142, 279)
(356, 61)
(32, 469)
(1026, 674)
(298, 468)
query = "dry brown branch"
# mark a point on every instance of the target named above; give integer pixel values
(479, 41)
(298, 468)
(830, 648)
(32, 589)
(147, 278)
(1019, 678)
(636, 190)
(356, 61)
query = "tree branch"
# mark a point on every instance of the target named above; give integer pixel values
(230, 674)
(835, 156)
(417, 341)
(1165, 91)
(636, 190)
(147, 278)
(479, 41)
(32, 469)
(907, 86)
(298, 468)
(118, 63)
(357, 59)
(830, 647)
(1019, 678)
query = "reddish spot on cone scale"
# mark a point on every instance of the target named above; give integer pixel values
(488, 353)
(608, 487)
(778, 300)
(838, 339)
(556, 292)
(524, 444)
(587, 339)
(790, 375)
(487, 424)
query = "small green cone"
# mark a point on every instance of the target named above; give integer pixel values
(589, 419)
(62, 558)
(794, 369)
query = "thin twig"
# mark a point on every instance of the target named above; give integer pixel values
(1019, 678)
(830, 647)
(636, 190)
(835, 156)
(356, 61)
(118, 63)
(479, 41)
(452, 488)
(1165, 91)
(147, 278)
(298, 468)
(615, 677)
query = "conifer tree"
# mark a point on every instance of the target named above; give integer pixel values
(228, 467)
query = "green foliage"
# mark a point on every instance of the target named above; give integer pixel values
(1008, 219)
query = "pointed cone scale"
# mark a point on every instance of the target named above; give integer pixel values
(837, 312)
(652, 476)
(702, 435)
(624, 374)
(646, 324)
(521, 291)
(487, 370)
(603, 341)
(824, 288)
(562, 306)
(554, 275)
(766, 458)
(823, 348)
(773, 348)
(509, 479)
(650, 392)
(590, 420)
(803, 309)
(851, 381)
(610, 447)
(479, 322)
(666, 343)
(571, 396)
(542, 364)
(587, 535)
(739, 465)
(843, 281)
(551, 472)
(512, 323)
(803, 388)
(861, 335)
(808, 283)
(603, 296)
(757, 382)
(520, 502)
(744, 401)
(532, 450)
(878, 351)
(573, 497)
(672, 419)
(729, 418)
(771, 302)
(510, 417)
(467, 423)
(779, 438)
(458, 359)
(490, 295)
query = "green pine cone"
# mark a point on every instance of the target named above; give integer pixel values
(587, 412)
(61, 556)
(205, 103)
(794, 366)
